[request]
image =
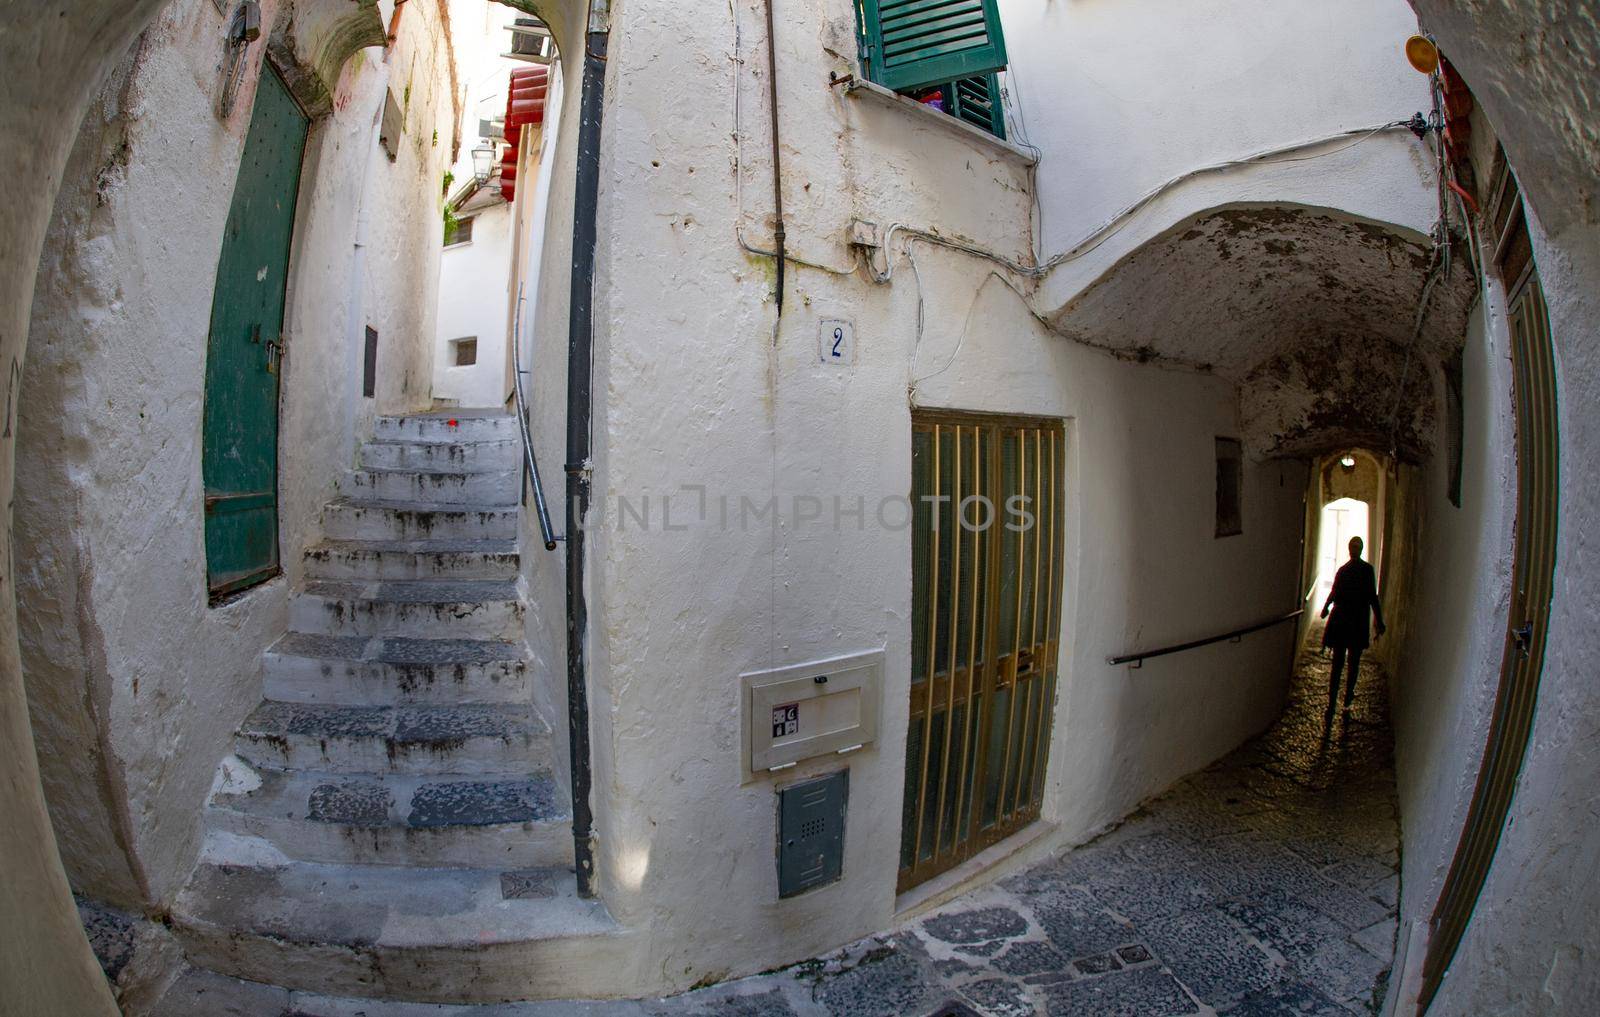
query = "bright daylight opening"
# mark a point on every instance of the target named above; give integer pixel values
(1341, 520)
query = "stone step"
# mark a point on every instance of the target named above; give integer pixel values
(498, 488)
(436, 457)
(413, 559)
(394, 670)
(375, 519)
(394, 819)
(417, 609)
(435, 934)
(496, 738)
(447, 428)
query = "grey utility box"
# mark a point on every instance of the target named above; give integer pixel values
(826, 707)
(811, 833)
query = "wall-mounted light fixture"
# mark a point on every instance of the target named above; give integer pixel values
(1422, 54)
(483, 163)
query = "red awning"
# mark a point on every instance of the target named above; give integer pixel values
(525, 101)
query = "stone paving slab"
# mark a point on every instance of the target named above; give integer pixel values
(1263, 886)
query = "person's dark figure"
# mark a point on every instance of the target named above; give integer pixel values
(1355, 592)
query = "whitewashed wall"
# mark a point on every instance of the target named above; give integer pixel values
(473, 277)
(697, 382)
(126, 664)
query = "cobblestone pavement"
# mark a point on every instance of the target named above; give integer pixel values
(1264, 885)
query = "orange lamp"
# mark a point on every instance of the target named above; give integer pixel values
(1422, 54)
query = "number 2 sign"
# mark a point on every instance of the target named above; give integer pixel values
(836, 341)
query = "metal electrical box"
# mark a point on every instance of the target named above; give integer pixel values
(811, 833)
(822, 708)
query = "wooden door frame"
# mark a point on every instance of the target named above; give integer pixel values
(231, 590)
(1535, 401)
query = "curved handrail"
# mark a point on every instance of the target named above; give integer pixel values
(539, 508)
(1137, 659)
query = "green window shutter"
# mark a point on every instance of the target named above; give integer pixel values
(977, 101)
(911, 44)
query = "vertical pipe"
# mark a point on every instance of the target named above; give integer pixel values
(580, 369)
(933, 645)
(777, 162)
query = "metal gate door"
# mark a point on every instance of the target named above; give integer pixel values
(1533, 568)
(986, 543)
(240, 436)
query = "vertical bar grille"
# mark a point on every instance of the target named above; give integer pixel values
(985, 629)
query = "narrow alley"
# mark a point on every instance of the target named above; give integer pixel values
(810, 508)
(1265, 885)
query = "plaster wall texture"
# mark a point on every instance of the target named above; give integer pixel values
(695, 385)
(1447, 673)
(404, 233)
(1530, 946)
(473, 278)
(135, 683)
(1212, 81)
(45, 961)
(542, 274)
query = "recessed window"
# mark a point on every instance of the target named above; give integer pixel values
(1230, 483)
(369, 364)
(459, 231)
(943, 53)
(464, 351)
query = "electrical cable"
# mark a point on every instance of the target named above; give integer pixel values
(1439, 264)
(738, 163)
(1113, 225)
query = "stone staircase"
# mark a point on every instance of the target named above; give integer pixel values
(389, 824)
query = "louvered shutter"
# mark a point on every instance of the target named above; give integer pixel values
(977, 101)
(911, 44)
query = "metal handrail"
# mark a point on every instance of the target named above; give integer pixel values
(1138, 659)
(539, 508)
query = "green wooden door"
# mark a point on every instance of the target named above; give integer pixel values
(243, 354)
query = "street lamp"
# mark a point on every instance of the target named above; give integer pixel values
(483, 163)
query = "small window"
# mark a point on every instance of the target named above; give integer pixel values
(1230, 483)
(944, 53)
(369, 364)
(465, 351)
(459, 231)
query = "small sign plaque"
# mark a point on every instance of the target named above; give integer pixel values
(836, 341)
(785, 720)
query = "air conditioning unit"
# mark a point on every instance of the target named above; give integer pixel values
(529, 37)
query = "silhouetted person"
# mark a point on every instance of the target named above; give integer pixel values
(1355, 592)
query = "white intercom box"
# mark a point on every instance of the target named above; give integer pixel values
(825, 707)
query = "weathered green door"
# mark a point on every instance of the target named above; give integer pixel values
(243, 355)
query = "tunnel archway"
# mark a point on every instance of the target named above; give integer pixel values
(1311, 312)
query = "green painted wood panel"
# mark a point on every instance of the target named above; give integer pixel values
(910, 44)
(240, 428)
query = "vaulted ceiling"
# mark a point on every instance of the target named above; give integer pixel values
(1310, 311)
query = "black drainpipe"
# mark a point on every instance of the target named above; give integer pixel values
(777, 161)
(580, 344)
